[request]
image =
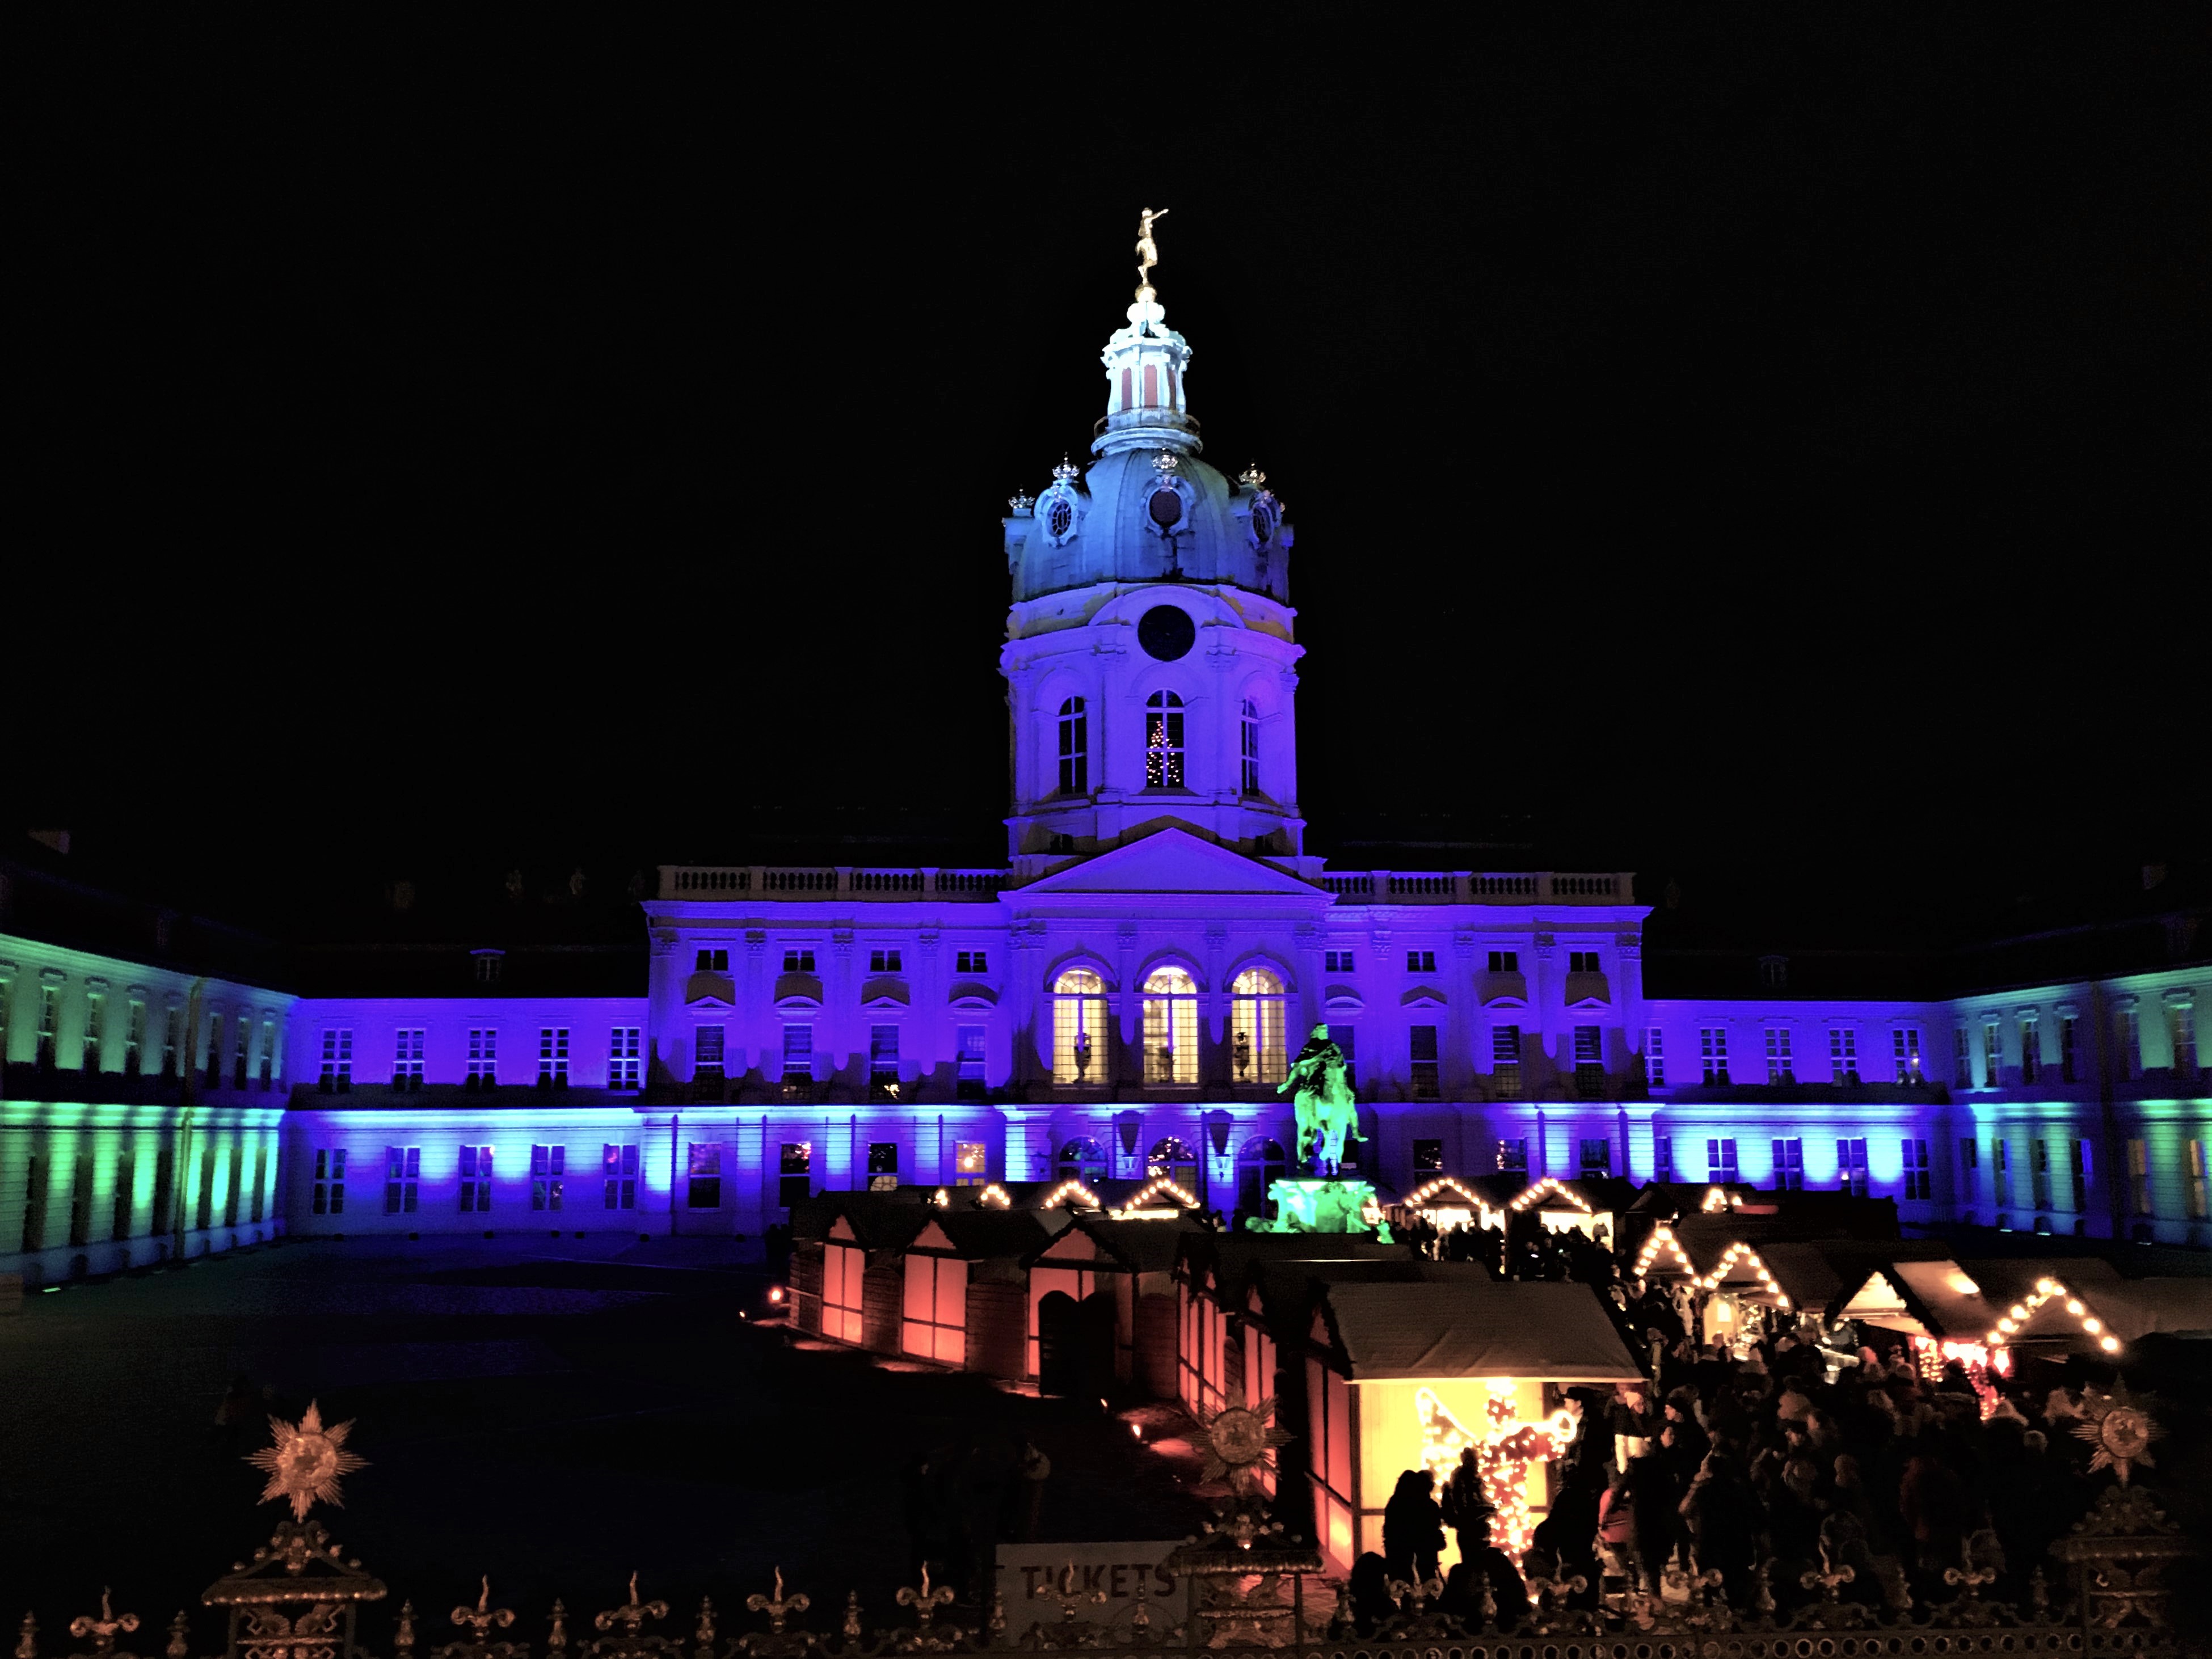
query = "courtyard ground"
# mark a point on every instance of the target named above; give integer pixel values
(550, 1412)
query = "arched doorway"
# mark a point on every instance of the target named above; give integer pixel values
(1260, 1162)
(1075, 1344)
(1173, 1159)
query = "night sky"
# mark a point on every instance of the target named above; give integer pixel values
(1766, 450)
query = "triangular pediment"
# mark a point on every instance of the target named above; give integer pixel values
(1169, 861)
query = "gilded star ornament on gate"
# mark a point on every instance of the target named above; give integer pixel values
(1238, 1438)
(2120, 1429)
(306, 1462)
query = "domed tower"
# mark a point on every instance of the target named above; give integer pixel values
(1150, 658)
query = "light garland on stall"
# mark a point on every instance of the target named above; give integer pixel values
(1737, 1251)
(1070, 1189)
(1504, 1451)
(1153, 1189)
(1422, 1194)
(1717, 1200)
(1528, 1195)
(995, 1196)
(2016, 1316)
(1662, 1234)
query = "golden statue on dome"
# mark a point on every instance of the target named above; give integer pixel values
(1148, 252)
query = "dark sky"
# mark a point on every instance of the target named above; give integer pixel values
(1724, 445)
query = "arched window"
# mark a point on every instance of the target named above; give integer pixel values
(1163, 741)
(1074, 749)
(1260, 1164)
(1256, 1028)
(1171, 1027)
(1248, 748)
(1082, 1159)
(1079, 1027)
(1171, 1158)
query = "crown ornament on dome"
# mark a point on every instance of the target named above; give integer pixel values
(1067, 472)
(1251, 478)
(1021, 503)
(1166, 464)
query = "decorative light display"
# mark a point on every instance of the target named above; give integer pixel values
(1979, 1362)
(1741, 1251)
(305, 1461)
(995, 1197)
(943, 1201)
(1663, 1238)
(1152, 1189)
(1716, 1199)
(2016, 1316)
(1529, 1195)
(1423, 1193)
(1503, 1450)
(1072, 1188)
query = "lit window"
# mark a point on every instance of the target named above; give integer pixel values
(1844, 1055)
(1655, 1058)
(475, 1180)
(1505, 1061)
(402, 1175)
(407, 1058)
(1079, 1022)
(1082, 1159)
(553, 1056)
(1720, 1161)
(1919, 1182)
(798, 961)
(883, 1166)
(330, 1182)
(1778, 1069)
(547, 1166)
(1712, 1045)
(625, 1065)
(794, 1173)
(971, 1163)
(618, 1168)
(1247, 728)
(1336, 961)
(1163, 741)
(1074, 748)
(338, 1059)
(1256, 1045)
(483, 1057)
(885, 962)
(1788, 1165)
(2197, 1210)
(1851, 1165)
(1421, 1055)
(703, 1166)
(1505, 961)
(1513, 1155)
(1171, 1027)
(1420, 961)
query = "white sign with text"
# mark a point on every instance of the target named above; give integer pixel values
(1037, 1581)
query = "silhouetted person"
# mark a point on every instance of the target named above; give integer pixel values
(1412, 1529)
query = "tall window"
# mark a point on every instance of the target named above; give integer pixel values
(1720, 1160)
(50, 1014)
(1589, 1061)
(1079, 1027)
(126, 1190)
(1655, 1058)
(969, 1041)
(94, 1008)
(7, 995)
(1082, 1159)
(625, 1066)
(706, 1052)
(2078, 1159)
(1173, 1159)
(882, 1062)
(1904, 1049)
(329, 1185)
(337, 1060)
(1346, 1039)
(883, 1166)
(1256, 1045)
(1969, 1163)
(2031, 1051)
(403, 1178)
(1171, 1027)
(703, 1171)
(618, 1168)
(407, 1058)
(1713, 1047)
(548, 1165)
(794, 1178)
(1260, 1164)
(1992, 1055)
(1074, 749)
(1844, 1054)
(2181, 1027)
(2039, 1170)
(2139, 1177)
(1163, 741)
(2069, 1048)
(268, 1045)
(134, 1035)
(2197, 1209)
(1596, 1157)
(971, 1163)
(1505, 1061)
(241, 1047)
(1422, 1057)
(2000, 1173)
(1963, 1058)
(1247, 749)
(1662, 1159)
(1788, 1165)
(1851, 1165)
(1778, 1068)
(2128, 1030)
(475, 1180)
(214, 1050)
(483, 1057)
(553, 1056)
(1918, 1181)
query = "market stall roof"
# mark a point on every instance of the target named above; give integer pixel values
(982, 1235)
(1466, 1327)
(1140, 1247)
(1229, 1256)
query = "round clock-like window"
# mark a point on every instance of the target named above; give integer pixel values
(1166, 508)
(1166, 632)
(1060, 519)
(1263, 522)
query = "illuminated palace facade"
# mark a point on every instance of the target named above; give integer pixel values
(1120, 996)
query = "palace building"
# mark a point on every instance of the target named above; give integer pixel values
(1116, 999)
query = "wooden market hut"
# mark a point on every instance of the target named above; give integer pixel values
(1101, 1307)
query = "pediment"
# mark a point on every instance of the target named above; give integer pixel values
(1342, 1000)
(1422, 996)
(970, 994)
(710, 990)
(886, 991)
(1170, 861)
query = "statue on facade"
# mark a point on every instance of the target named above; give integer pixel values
(1148, 251)
(1321, 1094)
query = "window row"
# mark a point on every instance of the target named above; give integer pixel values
(225, 1050)
(2064, 1057)
(101, 1182)
(1780, 1060)
(548, 1177)
(548, 1062)
(1164, 752)
(799, 959)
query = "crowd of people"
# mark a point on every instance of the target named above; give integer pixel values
(1748, 1462)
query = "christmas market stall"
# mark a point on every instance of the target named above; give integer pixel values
(1407, 1375)
(1101, 1304)
(1219, 1322)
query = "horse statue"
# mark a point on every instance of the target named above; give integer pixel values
(1321, 1097)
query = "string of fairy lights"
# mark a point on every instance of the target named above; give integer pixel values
(2015, 1317)
(1072, 1188)
(1505, 1448)
(1530, 1195)
(1663, 1238)
(1428, 1190)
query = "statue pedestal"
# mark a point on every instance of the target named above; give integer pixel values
(1311, 1205)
